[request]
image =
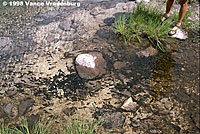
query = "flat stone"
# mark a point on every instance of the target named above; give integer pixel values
(129, 105)
(8, 108)
(114, 120)
(90, 65)
(150, 51)
(24, 106)
(104, 34)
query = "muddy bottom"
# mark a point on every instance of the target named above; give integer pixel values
(39, 78)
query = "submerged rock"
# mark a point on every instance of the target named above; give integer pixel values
(150, 51)
(115, 120)
(129, 105)
(24, 106)
(91, 65)
(119, 65)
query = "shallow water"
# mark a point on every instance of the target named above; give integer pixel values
(174, 74)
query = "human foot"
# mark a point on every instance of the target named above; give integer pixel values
(165, 17)
(174, 30)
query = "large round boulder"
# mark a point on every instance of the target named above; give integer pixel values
(90, 65)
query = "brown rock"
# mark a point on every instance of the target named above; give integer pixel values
(91, 65)
(150, 51)
(119, 65)
(114, 120)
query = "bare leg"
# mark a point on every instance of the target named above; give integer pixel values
(168, 8)
(182, 11)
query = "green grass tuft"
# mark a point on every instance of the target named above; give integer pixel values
(41, 127)
(81, 126)
(144, 21)
(75, 126)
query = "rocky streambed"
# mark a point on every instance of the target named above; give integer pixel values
(139, 90)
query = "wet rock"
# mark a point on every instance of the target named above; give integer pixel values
(114, 120)
(104, 34)
(109, 21)
(69, 111)
(24, 106)
(150, 51)
(129, 105)
(91, 65)
(47, 21)
(8, 108)
(65, 25)
(119, 65)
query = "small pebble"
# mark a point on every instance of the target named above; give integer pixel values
(182, 69)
